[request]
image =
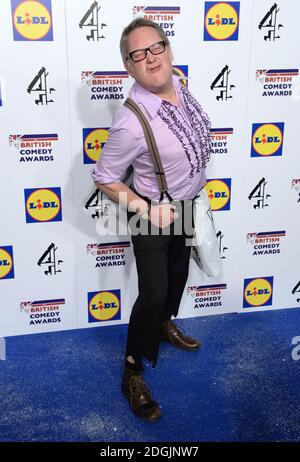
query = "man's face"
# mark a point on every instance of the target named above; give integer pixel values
(155, 71)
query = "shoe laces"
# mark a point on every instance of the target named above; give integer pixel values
(180, 330)
(177, 328)
(138, 385)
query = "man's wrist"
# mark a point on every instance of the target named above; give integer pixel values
(146, 214)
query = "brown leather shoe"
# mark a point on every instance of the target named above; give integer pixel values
(139, 396)
(171, 333)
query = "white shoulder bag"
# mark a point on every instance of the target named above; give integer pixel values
(205, 250)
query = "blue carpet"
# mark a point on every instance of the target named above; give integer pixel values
(243, 385)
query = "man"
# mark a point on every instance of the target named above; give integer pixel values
(181, 130)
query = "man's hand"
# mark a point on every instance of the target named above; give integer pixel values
(163, 215)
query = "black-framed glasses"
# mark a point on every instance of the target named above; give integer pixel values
(155, 49)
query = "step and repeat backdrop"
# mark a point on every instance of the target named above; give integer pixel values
(62, 79)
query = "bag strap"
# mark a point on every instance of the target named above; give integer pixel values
(153, 150)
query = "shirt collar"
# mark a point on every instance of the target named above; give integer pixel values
(150, 101)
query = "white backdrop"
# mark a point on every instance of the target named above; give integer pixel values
(62, 78)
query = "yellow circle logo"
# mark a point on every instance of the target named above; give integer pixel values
(218, 194)
(104, 306)
(43, 205)
(258, 292)
(221, 21)
(5, 263)
(32, 20)
(267, 139)
(180, 73)
(94, 143)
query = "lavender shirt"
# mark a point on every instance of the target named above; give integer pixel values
(126, 146)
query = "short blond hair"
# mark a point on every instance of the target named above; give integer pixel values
(135, 24)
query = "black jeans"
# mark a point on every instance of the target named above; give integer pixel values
(162, 263)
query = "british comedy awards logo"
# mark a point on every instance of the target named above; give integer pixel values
(163, 15)
(221, 20)
(209, 296)
(295, 184)
(220, 138)
(276, 82)
(108, 254)
(105, 85)
(219, 193)
(43, 311)
(32, 20)
(94, 140)
(258, 292)
(267, 139)
(266, 243)
(6, 262)
(43, 204)
(104, 305)
(34, 148)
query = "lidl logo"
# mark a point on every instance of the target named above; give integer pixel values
(32, 20)
(104, 305)
(219, 193)
(221, 20)
(183, 72)
(258, 292)
(6, 262)
(94, 140)
(267, 139)
(43, 204)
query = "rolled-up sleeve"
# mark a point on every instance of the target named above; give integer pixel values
(120, 151)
